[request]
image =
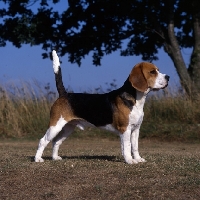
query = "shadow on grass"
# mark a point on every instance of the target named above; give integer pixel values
(84, 157)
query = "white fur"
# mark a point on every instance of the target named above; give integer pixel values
(51, 133)
(57, 134)
(129, 139)
(160, 81)
(57, 141)
(109, 127)
(56, 62)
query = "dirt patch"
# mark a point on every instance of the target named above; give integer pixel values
(95, 169)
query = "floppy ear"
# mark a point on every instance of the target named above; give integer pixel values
(138, 79)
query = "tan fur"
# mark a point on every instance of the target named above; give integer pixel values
(140, 76)
(120, 115)
(150, 77)
(60, 108)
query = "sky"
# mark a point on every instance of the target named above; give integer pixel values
(27, 64)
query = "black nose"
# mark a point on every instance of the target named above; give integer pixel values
(167, 77)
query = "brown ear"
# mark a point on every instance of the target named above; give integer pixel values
(137, 78)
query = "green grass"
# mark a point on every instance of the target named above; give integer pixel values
(24, 113)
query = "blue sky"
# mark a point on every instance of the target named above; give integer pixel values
(26, 64)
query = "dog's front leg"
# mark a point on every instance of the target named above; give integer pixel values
(126, 147)
(134, 144)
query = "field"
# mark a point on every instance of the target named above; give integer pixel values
(93, 168)
(92, 165)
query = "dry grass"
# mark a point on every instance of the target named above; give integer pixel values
(94, 169)
(24, 112)
(24, 109)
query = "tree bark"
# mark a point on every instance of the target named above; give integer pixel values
(194, 67)
(173, 50)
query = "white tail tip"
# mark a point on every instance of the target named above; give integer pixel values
(56, 62)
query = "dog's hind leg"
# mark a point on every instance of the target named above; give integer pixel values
(57, 141)
(51, 133)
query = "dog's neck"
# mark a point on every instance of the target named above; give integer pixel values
(131, 96)
(128, 88)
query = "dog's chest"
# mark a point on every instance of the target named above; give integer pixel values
(136, 115)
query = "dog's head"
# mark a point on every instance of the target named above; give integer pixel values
(146, 75)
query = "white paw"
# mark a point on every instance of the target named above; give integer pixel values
(57, 158)
(131, 161)
(140, 159)
(39, 160)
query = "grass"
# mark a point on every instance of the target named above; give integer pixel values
(24, 113)
(24, 110)
(92, 165)
(94, 169)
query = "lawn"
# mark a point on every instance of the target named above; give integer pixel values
(93, 168)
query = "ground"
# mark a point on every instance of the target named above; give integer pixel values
(94, 169)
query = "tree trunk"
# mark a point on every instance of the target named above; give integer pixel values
(194, 67)
(173, 50)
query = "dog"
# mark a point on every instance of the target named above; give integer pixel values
(120, 111)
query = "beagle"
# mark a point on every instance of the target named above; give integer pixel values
(120, 111)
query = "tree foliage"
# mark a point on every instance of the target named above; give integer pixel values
(101, 26)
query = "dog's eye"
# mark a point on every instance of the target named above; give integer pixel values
(153, 72)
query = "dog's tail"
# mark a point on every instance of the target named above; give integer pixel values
(58, 74)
